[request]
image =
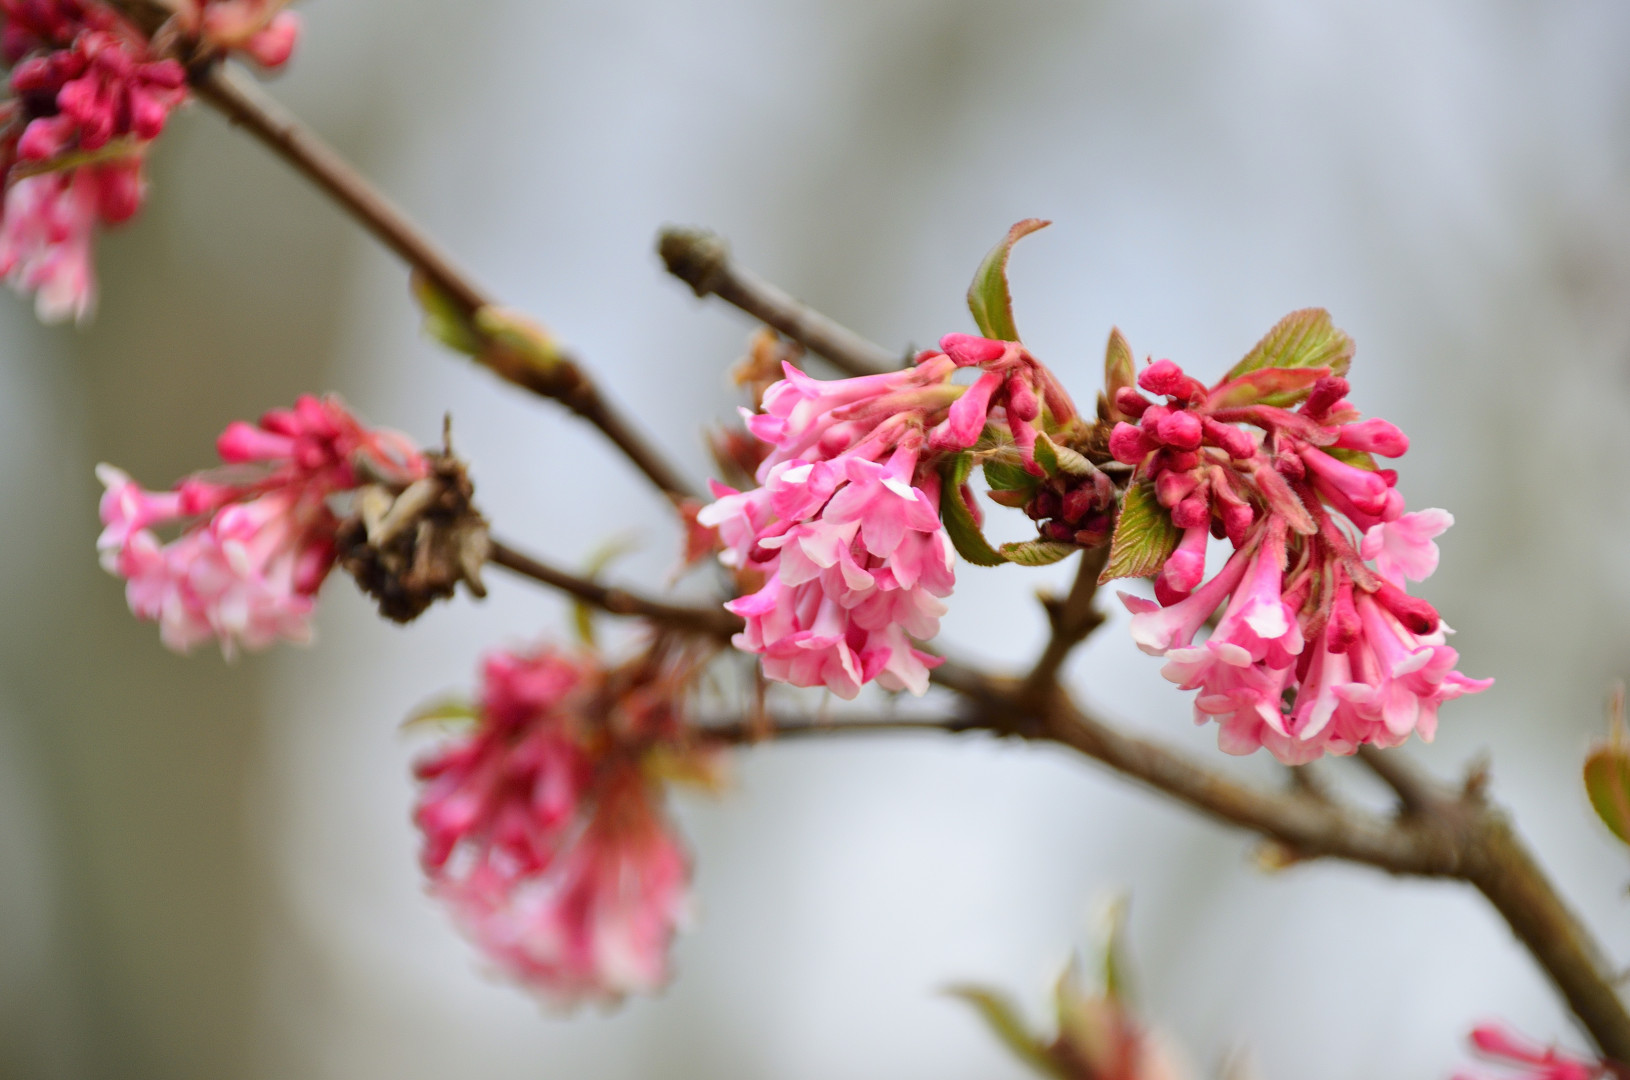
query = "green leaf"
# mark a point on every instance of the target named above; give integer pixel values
(1008, 1026)
(1120, 370)
(452, 713)
(1359, 459)
(599, 559)
(969, 542)
(443, 320)
(988, 296)
(1607, 782)
(518, 336)
(1038, 552)
(1144, 536)
(1056, 458)
(1006, 476)
(1302, 339)
(1117, 968)
(1281, 387)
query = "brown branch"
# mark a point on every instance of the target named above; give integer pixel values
(1072, 618)
(709, 621)
(1439, 835)
(702, 261)
(243, 103)
(769, 728)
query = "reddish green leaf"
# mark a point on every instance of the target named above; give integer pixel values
(1038, 552)
(988, 296)
(1302, 339)
(1268, 386)
(1144, 536)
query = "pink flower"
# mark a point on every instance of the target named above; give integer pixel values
(1316, 650)
(545, 836)
(1403, 548)
(256, 539)
(45, 242)
(1532, 1062)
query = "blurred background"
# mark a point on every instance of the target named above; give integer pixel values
(206, 869)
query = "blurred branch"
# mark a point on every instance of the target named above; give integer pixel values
(702, 260)
(1072, 619)
(770, 728)
(245, 105)
(1439, 834)
(708, 621)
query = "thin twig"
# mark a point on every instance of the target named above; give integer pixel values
(246, 105)
(1417, 792)
(1072, 618)
(702, 260)
(711, 621)
(740, 732)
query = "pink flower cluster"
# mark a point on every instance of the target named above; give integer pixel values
(842, 539)
(545, 834)
(257, 536)
(89, 95)
(1533, 1062)
(1314, 612)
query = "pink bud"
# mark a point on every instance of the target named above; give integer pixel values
(1130, 402)
(1181, 460)
(45, 138)
(1325, 395)
(1345, 626)
(242, 442)
(119, 192)
(273, 46)
(1021, 399)
(1078, 502)
(1164, 377)
(965, 419)
(1193, 512)
(1418, 616)
(1129, 444)
(1172, 488)
(1375, 436)
(1237, 519)
(1180, 429)
(968, 351)
(1235, 442)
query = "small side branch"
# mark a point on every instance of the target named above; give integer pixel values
(243, 103)
(710, 621)
(702, 260)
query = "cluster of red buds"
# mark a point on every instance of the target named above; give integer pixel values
(90, 92)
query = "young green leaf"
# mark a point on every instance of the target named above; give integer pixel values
(1060, 458)
(443, 320)
(1144, 536)
(1008, 1026)
(958, 517)
(1006, 476)
(988, 296)
(1038, 552)
(1607, 782)
(1607, 772)
(1120, 370)
(1302, 339)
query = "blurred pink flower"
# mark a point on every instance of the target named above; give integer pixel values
(257, 537)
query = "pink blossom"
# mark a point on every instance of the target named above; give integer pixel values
(543, 833)
(256, 540)
(1531, 1061)
(1403, 548)
(45, 242)
(1316, 650)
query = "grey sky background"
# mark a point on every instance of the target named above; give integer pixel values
(206, 870)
